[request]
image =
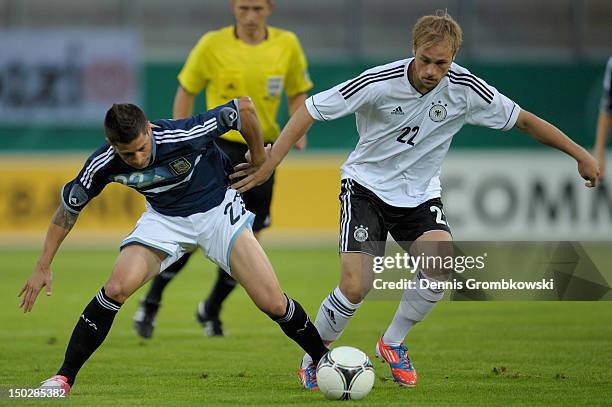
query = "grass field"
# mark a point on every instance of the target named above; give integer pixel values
(466, 353)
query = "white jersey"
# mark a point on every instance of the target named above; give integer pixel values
(404, 135)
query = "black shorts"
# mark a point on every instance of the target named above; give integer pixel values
(365, 220)
(258, 199)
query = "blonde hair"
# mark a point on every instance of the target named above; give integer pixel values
(432, 29)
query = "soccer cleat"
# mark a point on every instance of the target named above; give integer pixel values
(144, 319)
(308, 376)
(397, 357)
(212, 326)
(56, 382)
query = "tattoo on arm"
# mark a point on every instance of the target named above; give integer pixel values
(64, 219)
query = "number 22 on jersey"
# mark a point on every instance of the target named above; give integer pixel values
(408, 135)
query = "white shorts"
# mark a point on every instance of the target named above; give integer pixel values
(214, 231)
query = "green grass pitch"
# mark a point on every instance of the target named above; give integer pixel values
(466, 353)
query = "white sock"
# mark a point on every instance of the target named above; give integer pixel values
(399, 328)
(415, 305)
(333, 316)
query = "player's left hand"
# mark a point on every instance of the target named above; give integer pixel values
(589, 170)
(41, 277)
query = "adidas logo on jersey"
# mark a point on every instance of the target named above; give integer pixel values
(398, 110)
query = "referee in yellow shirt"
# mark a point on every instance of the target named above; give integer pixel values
(252, 59)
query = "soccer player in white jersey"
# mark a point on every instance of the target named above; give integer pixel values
(604, 121)
(183, 175)
(406, 114)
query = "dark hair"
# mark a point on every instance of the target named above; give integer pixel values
(124, 122)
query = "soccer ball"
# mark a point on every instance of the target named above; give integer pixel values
(345, 373)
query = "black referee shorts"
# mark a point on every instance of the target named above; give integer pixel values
(365, 220)
(258, 199)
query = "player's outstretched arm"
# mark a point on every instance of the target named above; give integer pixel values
(61, 224)
(297, 126)
(604, 124)
(549, 135)
(293, 104)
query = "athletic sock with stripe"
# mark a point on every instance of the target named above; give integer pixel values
(89, 333)
(297, 326)
(333, 316)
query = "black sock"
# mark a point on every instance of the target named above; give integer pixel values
(222, 288)
(154, 296)
(297, 326)
(89, 333)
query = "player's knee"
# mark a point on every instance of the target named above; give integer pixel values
(356, 278)
(354, 286)
(116, 291)
(353, 291)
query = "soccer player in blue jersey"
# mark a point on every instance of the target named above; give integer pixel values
(232, 62)
(182, 173)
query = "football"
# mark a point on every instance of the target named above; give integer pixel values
(345, 373)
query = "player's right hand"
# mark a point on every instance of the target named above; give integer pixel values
(41, 277)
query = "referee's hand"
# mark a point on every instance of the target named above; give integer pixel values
(301, 143)
(247, 155)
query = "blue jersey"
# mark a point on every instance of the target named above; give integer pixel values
(188, 173)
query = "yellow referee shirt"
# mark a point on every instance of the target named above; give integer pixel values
(229, 68)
